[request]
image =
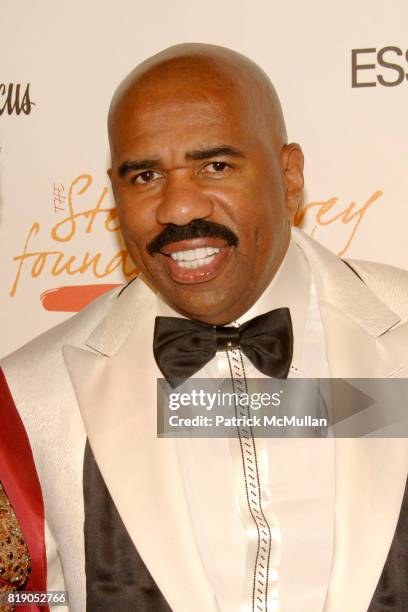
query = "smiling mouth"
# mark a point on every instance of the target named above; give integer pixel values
(196, 261)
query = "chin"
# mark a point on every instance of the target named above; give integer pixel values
(199, 312)
(210, 313)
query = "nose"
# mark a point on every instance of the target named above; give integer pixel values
(182, 201)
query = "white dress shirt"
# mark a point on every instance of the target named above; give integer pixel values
(296, 476)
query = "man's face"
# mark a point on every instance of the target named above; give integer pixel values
(201, 199)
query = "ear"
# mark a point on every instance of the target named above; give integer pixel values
(109, 172)
(292, 162)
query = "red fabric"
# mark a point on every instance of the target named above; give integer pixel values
(20, 481)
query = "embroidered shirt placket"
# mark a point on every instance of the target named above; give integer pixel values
(264, 577)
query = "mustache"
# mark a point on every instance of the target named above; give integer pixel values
(198, 228)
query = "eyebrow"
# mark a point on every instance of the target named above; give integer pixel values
(214, 152)
(145, 164)
(197, 154)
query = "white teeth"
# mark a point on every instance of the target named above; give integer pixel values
(197, 263)
(193, 255)
(189, 256)
(200, 253)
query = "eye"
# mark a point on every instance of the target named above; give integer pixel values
(148, 176)
(217, 167)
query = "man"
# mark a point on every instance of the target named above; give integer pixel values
(206, 186)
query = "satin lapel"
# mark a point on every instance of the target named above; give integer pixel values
(117, 399)
(362, 342)
(339, 286)
(370, 473)
(370, 482)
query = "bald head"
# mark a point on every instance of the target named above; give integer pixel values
(195, 70)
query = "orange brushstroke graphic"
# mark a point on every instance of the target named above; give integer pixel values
(72, 298)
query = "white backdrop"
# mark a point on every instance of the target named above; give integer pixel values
(55, 232)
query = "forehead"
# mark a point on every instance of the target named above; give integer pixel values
(149, 118)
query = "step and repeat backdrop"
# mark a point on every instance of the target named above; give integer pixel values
(341, 70)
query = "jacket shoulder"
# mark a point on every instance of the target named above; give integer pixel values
(389, 283)
(74, 330)
(39, 381)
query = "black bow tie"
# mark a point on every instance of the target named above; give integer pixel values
(181, 347)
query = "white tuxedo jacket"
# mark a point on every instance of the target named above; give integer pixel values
(94, 376)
